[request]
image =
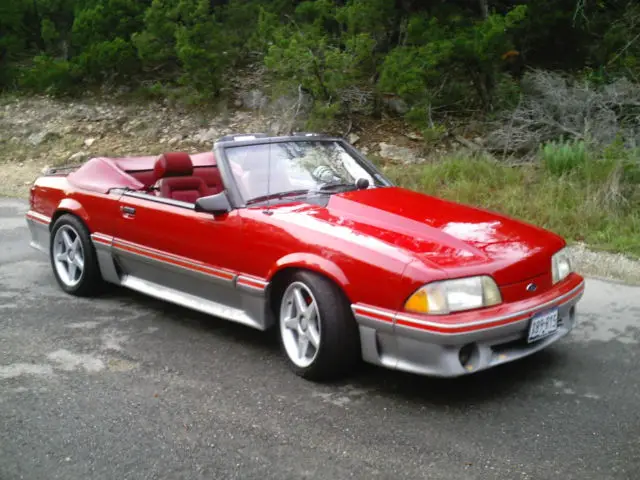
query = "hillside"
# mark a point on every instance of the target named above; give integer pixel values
(38, 132)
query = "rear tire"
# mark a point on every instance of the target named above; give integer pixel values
(73, 257)
(318, 334)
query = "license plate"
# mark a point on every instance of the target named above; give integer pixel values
(543, 325)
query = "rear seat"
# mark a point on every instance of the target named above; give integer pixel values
(204, 167)
(174, 171)
(212, 178)
(147, 177)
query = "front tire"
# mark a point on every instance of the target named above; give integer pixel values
(73, 257)
(318, 333)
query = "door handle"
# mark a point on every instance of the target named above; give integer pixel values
(128, 210)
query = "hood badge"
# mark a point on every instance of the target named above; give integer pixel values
(532, 287)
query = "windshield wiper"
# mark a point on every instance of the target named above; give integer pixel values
(335, 186)
(276, 196)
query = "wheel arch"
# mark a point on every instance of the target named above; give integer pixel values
(69, 205)
(283, 269)
(340, 334)
(91, 281)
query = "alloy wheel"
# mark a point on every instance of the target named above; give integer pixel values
(300, 324)
(68, 255)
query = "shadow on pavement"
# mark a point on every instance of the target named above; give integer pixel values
(487, 386)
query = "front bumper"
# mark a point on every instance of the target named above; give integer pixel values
(488, 337)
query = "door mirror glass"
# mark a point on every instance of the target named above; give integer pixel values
(216, 204)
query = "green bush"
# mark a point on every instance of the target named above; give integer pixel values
(442, 58)
(48, 75)
(106, 20)
(156, 42)
(203, 50)
(109, 61)
(443, 55)
(560, 158)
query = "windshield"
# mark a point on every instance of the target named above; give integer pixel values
(295, 167)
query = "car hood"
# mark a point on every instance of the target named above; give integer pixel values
(456, 239)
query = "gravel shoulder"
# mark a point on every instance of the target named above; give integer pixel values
(606, 265)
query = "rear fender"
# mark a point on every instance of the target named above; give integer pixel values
(106, 262)
(69, 205)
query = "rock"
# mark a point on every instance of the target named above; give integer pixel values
(365, 150)
(254, 99)
(400, 154)
(286, 105)
(174, 140)
(353, 138)
(414, 136)
(89, 141)
(237, 103)
(78, 157)
(241, 117)
(39, 138)
(206, 136)
(396, 105)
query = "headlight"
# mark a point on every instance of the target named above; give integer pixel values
(560, 265)
(449, 296)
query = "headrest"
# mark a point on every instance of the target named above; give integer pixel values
(173, 164)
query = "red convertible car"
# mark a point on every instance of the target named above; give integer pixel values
(302, 233)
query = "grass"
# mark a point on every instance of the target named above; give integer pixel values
(583, 197)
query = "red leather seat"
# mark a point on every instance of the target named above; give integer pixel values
(174, 172)
(211, 177)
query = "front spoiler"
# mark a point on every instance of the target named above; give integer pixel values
(413, 344)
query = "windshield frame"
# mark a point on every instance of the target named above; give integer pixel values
(233, 191)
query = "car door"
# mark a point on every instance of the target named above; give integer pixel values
(168, 250)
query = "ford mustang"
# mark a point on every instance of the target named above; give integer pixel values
(303, 234)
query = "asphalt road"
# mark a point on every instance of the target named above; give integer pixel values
(125, 387)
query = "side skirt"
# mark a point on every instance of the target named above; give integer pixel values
(250, 291)
(189, 301)
(106, 263)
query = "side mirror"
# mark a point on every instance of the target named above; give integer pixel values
(216, 204)
(362, 183)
